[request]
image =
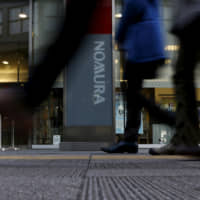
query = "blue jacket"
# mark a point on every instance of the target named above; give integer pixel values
(140, 32)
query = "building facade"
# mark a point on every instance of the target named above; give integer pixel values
(27, 27)
(14, 32)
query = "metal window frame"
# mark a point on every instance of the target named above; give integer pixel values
(1, 22)
(18, 19)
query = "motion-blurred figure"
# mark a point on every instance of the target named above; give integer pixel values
(186, 28)
(19, 103)
(140, 36)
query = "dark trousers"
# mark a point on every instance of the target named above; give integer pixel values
(187, 125)
(135, 73)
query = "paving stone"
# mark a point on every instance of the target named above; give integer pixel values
(94, 179)
(41, 180)
(140, 188)
(150, 179)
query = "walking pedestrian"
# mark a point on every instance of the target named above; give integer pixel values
(140, 36)
(186, 28)
(19, 103)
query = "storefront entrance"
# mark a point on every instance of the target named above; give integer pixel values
(11, 137)
(48, 119)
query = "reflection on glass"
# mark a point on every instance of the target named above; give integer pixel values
(14, 13)
(25, 25)
(14, 27)
(13, 43)
(13, 67)
(47, 18)
(18, 20)
(1, 21)
(48, 120)
(13, 61)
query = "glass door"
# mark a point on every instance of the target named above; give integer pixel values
(48, 119)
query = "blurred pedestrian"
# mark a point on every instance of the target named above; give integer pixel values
(140, 36)
(19, 103)
(186, 28)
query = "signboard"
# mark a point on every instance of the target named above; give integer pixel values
(89, 76)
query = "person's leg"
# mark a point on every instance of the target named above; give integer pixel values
(134, 105)
(129, 143)
(135, 99)
(186, 138)
(187, 124)
(135, 73)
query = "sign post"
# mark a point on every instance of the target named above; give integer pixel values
(88, 89)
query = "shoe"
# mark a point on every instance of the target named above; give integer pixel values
(180, 149)
(122, 147)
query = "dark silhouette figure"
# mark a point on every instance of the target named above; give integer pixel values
(140, 36)
(186, 28)
(19, 103)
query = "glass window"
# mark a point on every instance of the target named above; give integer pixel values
(14, 14)
(48, 118)
(18, 20)
(47, 15)
(15, 27)
(13, 61)
(1, 17)
(1, 21)
(25, 10)
(25, 25)
(13, 65)
(48, 121)
(13, 51)
(51, 9)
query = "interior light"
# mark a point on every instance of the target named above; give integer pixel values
(167, 61)
(172, 48)
(118, 15)
(115, 46)
(23, 16)
(3, 149)
(5, 62)
(121, 107)
(116, 61)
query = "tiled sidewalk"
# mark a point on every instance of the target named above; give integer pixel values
(50, 175)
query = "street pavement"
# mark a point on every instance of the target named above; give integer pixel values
(59, 175)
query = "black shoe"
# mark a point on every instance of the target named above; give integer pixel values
(180, 149)
(122, 147)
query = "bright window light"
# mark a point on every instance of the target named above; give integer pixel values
(172, 48)
(118, 15)
(23, 16)
(5, 62)
(116, 61)
(167, 61)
